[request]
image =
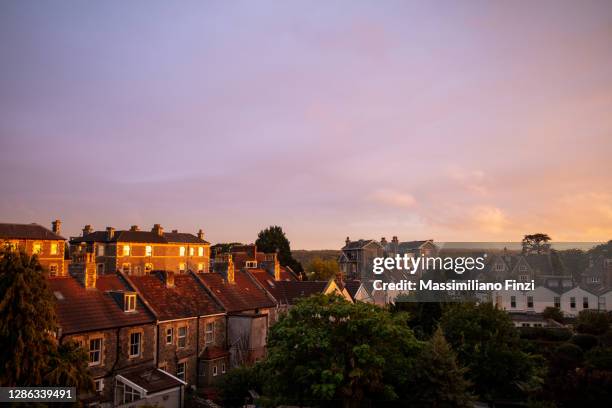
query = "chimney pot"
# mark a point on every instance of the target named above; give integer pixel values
(56, 226)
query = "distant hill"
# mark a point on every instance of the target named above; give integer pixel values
(305, 256)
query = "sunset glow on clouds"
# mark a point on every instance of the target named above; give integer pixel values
(468, 121)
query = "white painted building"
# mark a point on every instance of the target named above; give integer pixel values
(577, 299)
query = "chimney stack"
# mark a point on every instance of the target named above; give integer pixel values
(134, 228)
(56, 226)
(230, 270)
(348, 240)
(87, 229)
(383, 241)
(110, 233)
(91, 275)
(168, 279)
(394, 240)
(201, 235)
(158, 229)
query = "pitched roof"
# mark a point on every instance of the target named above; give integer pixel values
(410, 245)
(352, 286)
(213, 353)
(243, 294)
(141, 237)
(27, 231)
(186, 299)
(359, 244)
(295, 290)
(80, 310)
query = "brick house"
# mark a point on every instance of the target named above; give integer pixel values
(250, 309)
(34, 239)
(137, 252)
(191, 326)
(109, 320)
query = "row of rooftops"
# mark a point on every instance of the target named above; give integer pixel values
(157, 234)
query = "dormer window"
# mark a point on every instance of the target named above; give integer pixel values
(251, 264)
(129, 302)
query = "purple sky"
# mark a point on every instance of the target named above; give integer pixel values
(448, 120)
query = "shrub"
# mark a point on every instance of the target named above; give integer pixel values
(585, 341)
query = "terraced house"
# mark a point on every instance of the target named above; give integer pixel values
(118, 331)
(136, 252)
(34, 239)
(250, 309)
(191, 326)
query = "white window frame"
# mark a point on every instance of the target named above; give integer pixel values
(182, 338)
(585, 302)
(210, 332)
(129, 302)
(530, 302)
(99, 384)
(215, 371)
(251, 264)
(512, 302)
(572, 301)
(137, 345)
(93, 352)
(100, 249)
(170, 334)
(223, 368)
(181, 374)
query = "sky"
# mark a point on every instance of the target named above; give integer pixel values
(445, 120)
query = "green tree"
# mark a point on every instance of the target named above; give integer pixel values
(592, 322)
(535, 243)
(273, 239)
(438, 379)
(319, 269)
(235, 385)
(30, 355)
(327, 351)
(553, 313)
(488, 344)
